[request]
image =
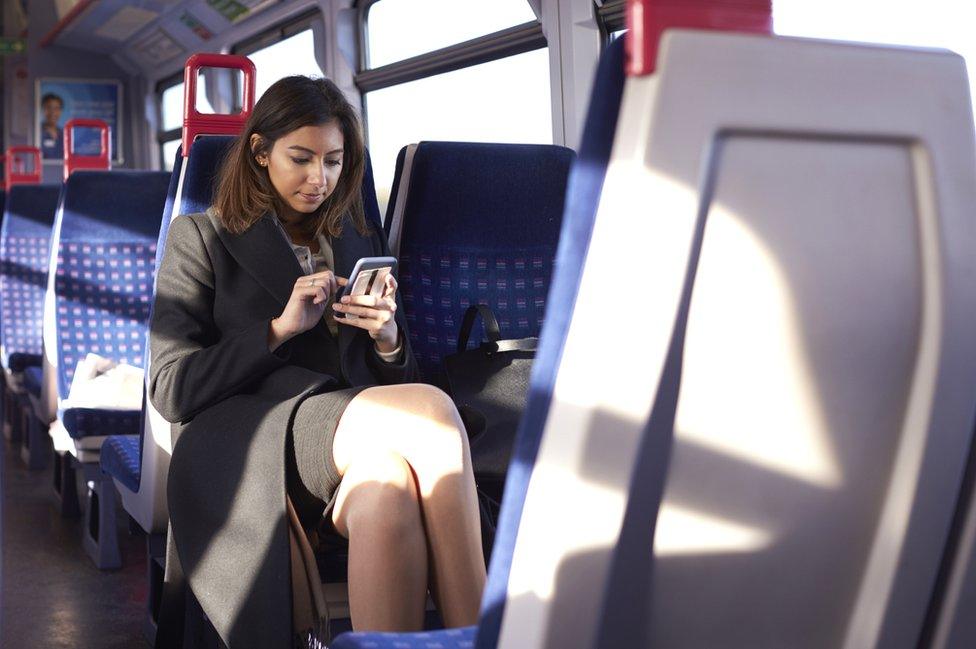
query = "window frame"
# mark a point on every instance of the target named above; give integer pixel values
(279, 32)
(511, 41)
(163, 137)
(611, 16)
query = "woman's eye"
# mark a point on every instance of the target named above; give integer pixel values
(300, 161)
(334, 163)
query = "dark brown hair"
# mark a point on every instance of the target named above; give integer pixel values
(244, 192)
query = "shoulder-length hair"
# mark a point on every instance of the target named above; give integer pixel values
(244, 192)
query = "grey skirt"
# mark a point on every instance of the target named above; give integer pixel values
(311, 474)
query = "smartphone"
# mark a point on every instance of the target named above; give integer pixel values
(368, 277)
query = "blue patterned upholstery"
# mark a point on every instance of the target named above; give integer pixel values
(120, 459)
(33, 378)
(25, 246)
(439, 284)
(103, 293)
(129, 471)
(444, 639)
(106, 244)
(480, 225)
(93, 422)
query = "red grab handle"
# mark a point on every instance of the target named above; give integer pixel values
(196, 123)
(648, 19)
(16, 166)
(74, 161)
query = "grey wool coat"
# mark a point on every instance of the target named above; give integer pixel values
(231, 401)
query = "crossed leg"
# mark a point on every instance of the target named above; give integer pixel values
(407, 496)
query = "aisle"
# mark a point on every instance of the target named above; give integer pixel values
(51, 594)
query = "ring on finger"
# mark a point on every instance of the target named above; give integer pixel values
(311, 282)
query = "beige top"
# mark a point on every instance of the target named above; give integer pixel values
(316, 262)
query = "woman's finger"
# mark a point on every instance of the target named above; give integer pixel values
(369, 301)
(316, 294)
(361, 311)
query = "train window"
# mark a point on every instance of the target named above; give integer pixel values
(506, 100)
(286, 49)
(169, 153)
(170, 96)
(293, 55)
(612, 18)
(434, 24)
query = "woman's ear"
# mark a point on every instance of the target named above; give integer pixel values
(257, 143)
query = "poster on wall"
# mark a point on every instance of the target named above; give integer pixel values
(59, 100)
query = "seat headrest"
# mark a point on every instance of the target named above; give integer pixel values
(487, 191)
(113, 205)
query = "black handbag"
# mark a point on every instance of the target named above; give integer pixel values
(489, 385)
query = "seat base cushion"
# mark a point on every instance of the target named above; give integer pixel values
(99, 422)
(120, 459)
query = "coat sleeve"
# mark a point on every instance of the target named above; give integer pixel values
(405, 370)
(193, 365)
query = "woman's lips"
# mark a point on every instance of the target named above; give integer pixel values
(310, 198)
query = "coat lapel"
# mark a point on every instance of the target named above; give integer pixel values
(263, 252)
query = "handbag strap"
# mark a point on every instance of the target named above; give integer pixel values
(487, 317)
(493, 331)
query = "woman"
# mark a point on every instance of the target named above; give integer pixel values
(274, 394)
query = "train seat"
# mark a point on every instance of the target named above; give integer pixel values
(99, 291)
(475, 223)
(24, 249)
(583, 192)
(139, 467)
(801, 401)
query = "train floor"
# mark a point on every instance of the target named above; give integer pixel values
(51, 594)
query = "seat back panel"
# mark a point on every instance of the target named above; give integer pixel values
(802, 238)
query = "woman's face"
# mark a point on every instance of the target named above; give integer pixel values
(304, 166)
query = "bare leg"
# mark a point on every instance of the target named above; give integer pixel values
(377, 510)
(420, 424)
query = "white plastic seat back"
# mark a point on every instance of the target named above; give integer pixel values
(772, 341)
(955, 626)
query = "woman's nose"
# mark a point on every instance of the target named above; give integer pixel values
(316, 175)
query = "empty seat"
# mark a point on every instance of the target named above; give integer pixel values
(101, 278)
(477, 224)
(127, 459)
(25, 237)
(98, 297)
(24, 250)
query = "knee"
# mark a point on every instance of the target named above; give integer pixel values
(382, 496)
(444, 438)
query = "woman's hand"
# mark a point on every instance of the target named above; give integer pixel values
(305, 307)
(374, 314)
